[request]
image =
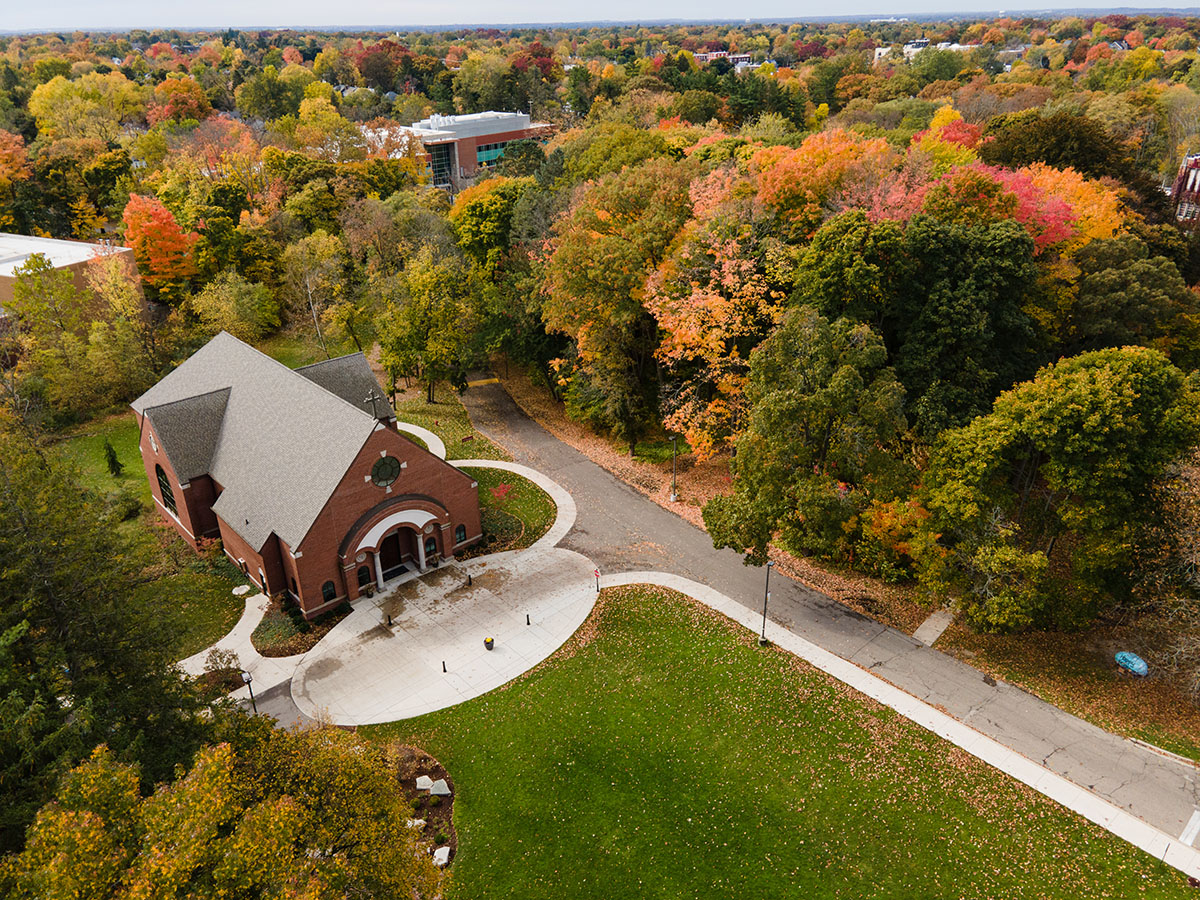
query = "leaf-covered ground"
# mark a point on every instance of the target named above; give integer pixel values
(1077, 673)
(662, 753)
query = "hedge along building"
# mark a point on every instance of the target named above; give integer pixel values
(301, 473)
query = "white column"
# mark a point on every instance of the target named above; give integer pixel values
(378, 570)
(421, 550)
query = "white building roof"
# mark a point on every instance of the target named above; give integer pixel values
(448, 128)
(15, 249)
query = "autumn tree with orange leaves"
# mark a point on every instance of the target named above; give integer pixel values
(14, 167)
(178, 99)
(798, 182)
(716, 296)
(612, 239)
(165, 253)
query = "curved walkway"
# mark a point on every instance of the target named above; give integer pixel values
(267, 672)
(564, 517)
(419, 646)
(435, 444)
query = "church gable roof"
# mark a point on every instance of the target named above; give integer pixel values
(283, 443)
(351, 378)
(188, 430)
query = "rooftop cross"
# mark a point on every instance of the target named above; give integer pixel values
(373, 398)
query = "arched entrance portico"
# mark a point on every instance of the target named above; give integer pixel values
(401, 538)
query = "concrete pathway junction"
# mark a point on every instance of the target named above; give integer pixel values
(367, 671)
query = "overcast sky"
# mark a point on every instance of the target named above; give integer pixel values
(23, 15)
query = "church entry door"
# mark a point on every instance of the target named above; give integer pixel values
(390, 556)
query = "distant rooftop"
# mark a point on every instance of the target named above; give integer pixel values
(15, 249)
(456, 127)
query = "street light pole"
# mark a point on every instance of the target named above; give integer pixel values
(674, 496)
(247, 679)
(762, 640)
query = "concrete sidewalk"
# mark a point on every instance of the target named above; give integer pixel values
(420, 647)
(622, 530)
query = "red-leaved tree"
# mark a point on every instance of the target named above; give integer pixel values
(165, 253)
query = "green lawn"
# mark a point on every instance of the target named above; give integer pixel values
(662, 753)
(196, 605)
(85, 448)
(448, 419)
(414, 439)
(298, 346)
(515, 511)
(192, 596)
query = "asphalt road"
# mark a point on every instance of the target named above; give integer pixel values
(622, 530)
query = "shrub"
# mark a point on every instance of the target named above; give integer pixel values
(125, 505)
(219, 660)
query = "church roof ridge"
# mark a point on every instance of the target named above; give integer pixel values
(283, 443)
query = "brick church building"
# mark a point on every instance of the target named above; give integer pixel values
(301, 474)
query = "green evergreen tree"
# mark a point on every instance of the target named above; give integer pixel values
(115, 466)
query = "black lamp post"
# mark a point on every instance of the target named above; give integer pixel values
(674, 496)
(247, 679)
(762, 639)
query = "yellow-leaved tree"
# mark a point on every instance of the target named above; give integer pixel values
(311, 814)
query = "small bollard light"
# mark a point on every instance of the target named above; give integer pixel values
(468, 579)
(526, 618)
(443, 665)
(389, 620)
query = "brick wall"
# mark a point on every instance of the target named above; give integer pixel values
(192, 518)
(357, 495)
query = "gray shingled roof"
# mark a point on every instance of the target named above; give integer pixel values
(284, 442)
(189, 430)
(351, 378)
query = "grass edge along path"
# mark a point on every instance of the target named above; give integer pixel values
(448, 419)
(515, 511)
(661, 752)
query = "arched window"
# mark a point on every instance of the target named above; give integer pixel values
(430, 546)
(328, 591)
(164, 488)
(460, 534)
(364, 575)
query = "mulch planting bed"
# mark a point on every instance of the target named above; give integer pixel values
(278, 634)
(438, 812)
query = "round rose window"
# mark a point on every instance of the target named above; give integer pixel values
(385, 471)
